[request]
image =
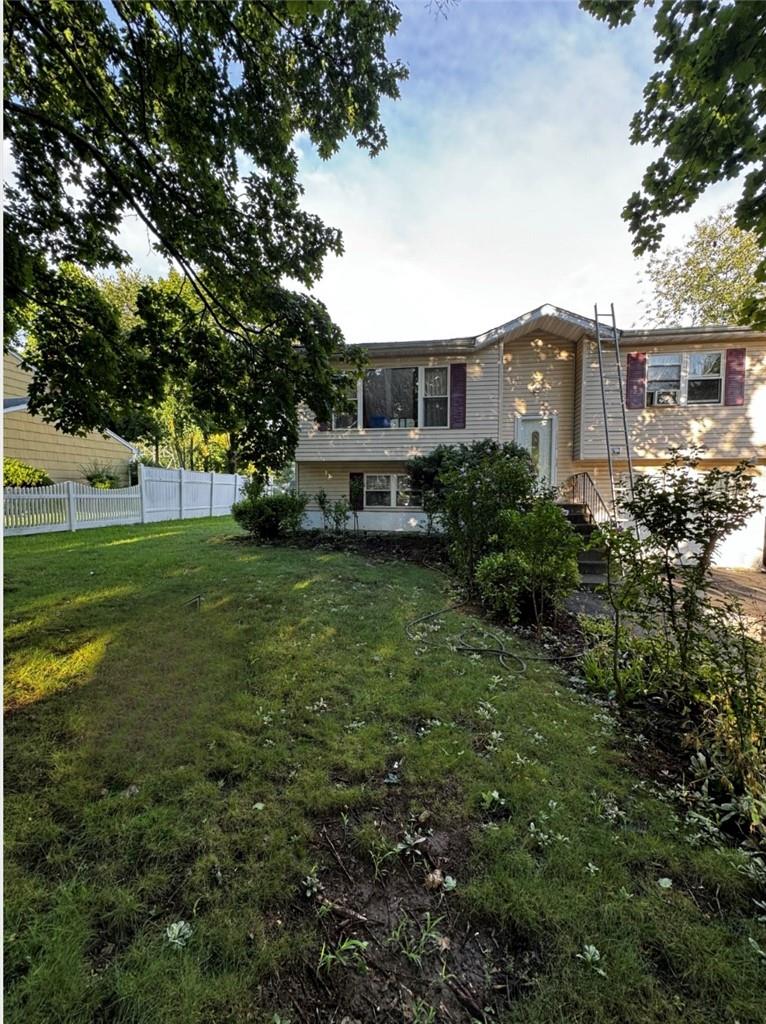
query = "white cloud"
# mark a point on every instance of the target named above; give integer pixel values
(497, 195)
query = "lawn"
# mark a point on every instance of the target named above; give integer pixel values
(351, 823)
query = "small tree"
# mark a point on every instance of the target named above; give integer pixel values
(465, 487)
(683, 516)
(323, 502)
(536, 566)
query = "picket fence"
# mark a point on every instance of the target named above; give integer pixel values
(160, 494)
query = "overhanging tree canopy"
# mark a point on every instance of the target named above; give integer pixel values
(706, 110)
(183, 115)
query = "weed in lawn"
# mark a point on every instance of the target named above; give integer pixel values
(416, 939)
(203, 719)
(348, 953)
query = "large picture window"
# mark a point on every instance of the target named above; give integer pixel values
(391, 397)
(347, 418)
(390, 490)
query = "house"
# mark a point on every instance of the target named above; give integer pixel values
(40, 444)
(536, 380)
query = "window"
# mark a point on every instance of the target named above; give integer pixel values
(344, 420)
(663, 379)
(377, 490)
(406, 497)
(693, 378)
(435, 396)
(389, 490)
(391, 397)
(704, 378)
(534, 449)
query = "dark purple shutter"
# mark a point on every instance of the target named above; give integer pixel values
(356, 491)
(734, 388)
(457, 396)
(635, 385)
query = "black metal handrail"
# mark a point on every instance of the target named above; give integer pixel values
(582, 490)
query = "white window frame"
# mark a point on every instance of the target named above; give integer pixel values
(683, 388)
(393, 487)
(720, 376)
(422, 397)
(420, 425)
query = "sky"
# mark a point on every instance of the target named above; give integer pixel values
(507, 167)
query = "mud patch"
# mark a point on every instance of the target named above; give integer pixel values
(397, 942)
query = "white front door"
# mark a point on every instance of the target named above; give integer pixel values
(535, 433)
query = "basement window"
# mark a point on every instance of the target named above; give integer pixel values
(390, 490)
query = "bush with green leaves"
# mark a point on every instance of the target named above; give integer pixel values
(269, 516)
(19, 474)
(669, 637)
(102, 476)
(535, 568)
(465, 488)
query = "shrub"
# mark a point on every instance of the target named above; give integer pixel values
(465, 488)
(669, 638)
(269, 516)
(323, 502)
(338, 514)
(19, 474)
(536, 566)
(102, 476)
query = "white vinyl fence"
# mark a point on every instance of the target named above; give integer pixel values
(159, 494)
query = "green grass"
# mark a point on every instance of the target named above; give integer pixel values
(269, 718)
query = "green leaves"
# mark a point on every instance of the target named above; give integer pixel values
(710, 279)
(704, 109)
(183, 116)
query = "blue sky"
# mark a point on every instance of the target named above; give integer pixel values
(507, 167)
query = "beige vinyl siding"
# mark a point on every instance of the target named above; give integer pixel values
(726, 432)
(62, 456)
(539, 380)
(15, 380)
(333, 477)
(482, 386)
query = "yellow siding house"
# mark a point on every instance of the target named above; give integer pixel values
(62, 456)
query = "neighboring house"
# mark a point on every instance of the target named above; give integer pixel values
(535, 380)
(62, 456)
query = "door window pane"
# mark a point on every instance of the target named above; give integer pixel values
(391, 397)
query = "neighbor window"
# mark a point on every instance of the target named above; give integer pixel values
(704, 378)
(391, 397)
(389, 490)
(693, 378)
(435, 392)
(663, 379)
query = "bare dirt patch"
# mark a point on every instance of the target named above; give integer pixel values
(399, 944)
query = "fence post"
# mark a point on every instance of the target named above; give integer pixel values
(212, 490)
(71, 505)
(180, 494)
(141, 499)
(236, 488)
